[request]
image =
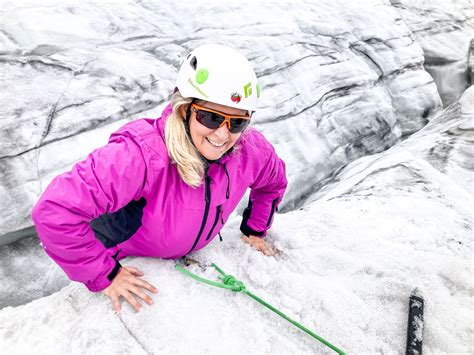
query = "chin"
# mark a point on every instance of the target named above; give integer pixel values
(213, 156)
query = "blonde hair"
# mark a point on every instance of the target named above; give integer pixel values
(183, 153)
(180, 149)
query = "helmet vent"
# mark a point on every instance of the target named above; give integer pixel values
(193, 62)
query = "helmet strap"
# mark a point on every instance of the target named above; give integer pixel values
(186, 122)
(188, 131)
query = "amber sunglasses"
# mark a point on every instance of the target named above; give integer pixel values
(214, 119)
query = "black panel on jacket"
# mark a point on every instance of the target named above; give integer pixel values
(117, 227)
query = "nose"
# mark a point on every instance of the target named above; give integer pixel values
(222, 132)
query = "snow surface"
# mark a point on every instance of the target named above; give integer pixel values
(347, 265)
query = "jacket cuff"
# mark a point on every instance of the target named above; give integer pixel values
(245, 229)
(102, 283)
(114, 271)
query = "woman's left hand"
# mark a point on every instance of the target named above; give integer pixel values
(260, 244)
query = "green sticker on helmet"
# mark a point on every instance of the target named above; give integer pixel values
(201, 76)
(258, 90)
(248, 90)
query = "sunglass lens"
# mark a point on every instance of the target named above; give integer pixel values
(209, 119)
(238, 124)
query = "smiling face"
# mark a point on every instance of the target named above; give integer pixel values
(213, 143)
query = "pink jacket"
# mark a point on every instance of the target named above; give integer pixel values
(127, 198)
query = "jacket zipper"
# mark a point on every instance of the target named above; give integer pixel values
(222, 221)
(218, 213)
(273, 211)
(115, 256)
(206, 211)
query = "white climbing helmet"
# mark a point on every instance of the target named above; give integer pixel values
(219, 74)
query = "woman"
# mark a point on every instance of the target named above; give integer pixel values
(165, 187)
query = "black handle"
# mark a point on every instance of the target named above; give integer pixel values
(415, 325)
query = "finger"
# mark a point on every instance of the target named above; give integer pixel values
(272, 251)
(133, 302)
(135, 271)
(139, 292)
(266, 250)
(146, 285)
(116, 304)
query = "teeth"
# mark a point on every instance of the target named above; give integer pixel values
(214, 143)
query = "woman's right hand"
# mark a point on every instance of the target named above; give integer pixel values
(126, 284)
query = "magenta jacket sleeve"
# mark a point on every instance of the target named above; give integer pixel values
(109, 178)
(265, 196)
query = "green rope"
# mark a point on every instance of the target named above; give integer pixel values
(231, 283)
